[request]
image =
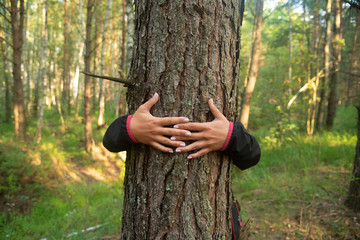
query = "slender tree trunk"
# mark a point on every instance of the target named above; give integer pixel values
(80, 60)
(17, 24)
(335, 70)
(101, 117)
(290, 48)
(6, 74)
(87, 94)
(353, 198)
(327, 60)
(314, 71)
(43, 70)
(65, 74)
(187, 52)
(253, 66)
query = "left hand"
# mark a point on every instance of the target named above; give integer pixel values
(207, 137)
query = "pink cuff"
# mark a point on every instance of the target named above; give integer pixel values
(129, 130)
(231, 126)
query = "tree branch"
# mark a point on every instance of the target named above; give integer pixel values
(7, 42)
(114, 79)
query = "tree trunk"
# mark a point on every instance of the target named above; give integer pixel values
(17, 25)
(101, 117)
(353, 198)
(351, 88)
(7, 69)
(254, 65)
(335, 70)
(43, 72)
(187, 52)
(87, 94)
(65, 74)
(324, 83)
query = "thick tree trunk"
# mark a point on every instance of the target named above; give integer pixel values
(87, 94)
(353, 198)
(352, 89)
(253, 65)
(17, 24)
(335, 73)
(187, 52)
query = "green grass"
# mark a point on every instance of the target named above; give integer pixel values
(297, 188)
(298, 177)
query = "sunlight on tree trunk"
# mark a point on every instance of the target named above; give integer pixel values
(101, 117)
(17, 26)
(335, 69)
(253, 65)
(43, 71)
(87, 95)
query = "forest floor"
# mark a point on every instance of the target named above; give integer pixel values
(54, 190)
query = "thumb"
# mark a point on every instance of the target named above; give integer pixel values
(214, 110)
(151, 102)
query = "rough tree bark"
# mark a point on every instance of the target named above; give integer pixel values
(17, 26)
(353, 198)
(87, 93)
(188, 52)
(253, 65)
(335, 69)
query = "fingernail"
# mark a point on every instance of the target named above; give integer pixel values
(188, 133)
(171, 151)
(189, 157)
(211, 101)
(176, 126)
(186, 120)
(182, 144)
(173, 138)
(178, 150)
(155, 94)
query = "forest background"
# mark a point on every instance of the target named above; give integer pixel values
(58, 182)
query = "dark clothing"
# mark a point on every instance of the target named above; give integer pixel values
(242, 148)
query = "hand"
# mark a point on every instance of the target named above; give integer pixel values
(208, 136)
(150, 130)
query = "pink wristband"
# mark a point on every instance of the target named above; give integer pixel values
(129, 130)
(231, 126)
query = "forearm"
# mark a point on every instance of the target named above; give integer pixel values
(116, 138)
(243, 148)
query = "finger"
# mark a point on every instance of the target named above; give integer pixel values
(166, 141)
(199, 153)
(151, 102)
(167, 121)
(193, 146)
(192, 126)
(173, 132)
(214, 110)
(193, 137)
(162, 148)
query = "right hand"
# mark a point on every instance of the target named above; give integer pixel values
(150, 130)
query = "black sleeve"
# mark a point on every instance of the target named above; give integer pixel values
(116, 138)
(243, 148)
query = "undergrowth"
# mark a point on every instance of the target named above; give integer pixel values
(295, 192)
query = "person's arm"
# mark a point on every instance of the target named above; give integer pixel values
(221, 135)
(142, 127)
(242, 148)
